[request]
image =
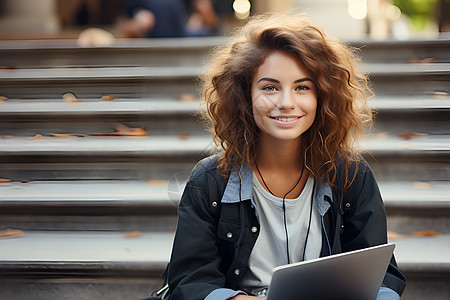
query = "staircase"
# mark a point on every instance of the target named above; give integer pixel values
(90, 180)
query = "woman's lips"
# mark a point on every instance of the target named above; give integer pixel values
(285, 121)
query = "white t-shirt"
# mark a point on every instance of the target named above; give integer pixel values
(270, 248)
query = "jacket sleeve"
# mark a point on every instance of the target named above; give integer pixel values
(365, 222)
(194, 266)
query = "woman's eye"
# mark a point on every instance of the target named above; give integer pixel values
(269, 88)
(302, 88)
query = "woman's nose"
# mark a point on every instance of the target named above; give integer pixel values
(286, 101)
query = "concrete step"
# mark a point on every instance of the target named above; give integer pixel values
(151, 205)
(394, 51)
(124, 52)
(124, 82)
(191, 145)
(395, 115)
(409, 79)
(139, 82)
(40, 259)
(189, 51)
(83, 265)
(168, 106)
(143, 158)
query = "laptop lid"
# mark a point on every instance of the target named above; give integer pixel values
(355, 275)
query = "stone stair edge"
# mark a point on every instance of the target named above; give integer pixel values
(410, 259)
(197, 42)
(176, 106)
(193, 145)
(155, 72)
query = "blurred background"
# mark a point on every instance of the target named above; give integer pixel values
(100, 129)
(347, 19)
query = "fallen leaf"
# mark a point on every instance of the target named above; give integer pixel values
(3, 99)
(156, 182)
(122, 130)
(381, 135)
(133, 235)
(11, 233)
(422, 185)
(425, 233)
(187, 97)
(5, 181)
(127, 249)
(8, 137)
(427, 60)
(108, 98)
(24, 181)
(95, 37)
(70, 97)
(184, 135)
(407, 135)
(6, 68)
(394, 235)
(37, 137)
(66, 135)
(440, 95)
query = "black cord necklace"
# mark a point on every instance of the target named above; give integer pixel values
(284, 212)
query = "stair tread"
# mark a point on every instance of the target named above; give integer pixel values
(414, 252)
(174, 106)
(102, 73)
(114, 247)
(171, 72)
(82, 246)
(97, 106)
(169, 145)
(120, 43)
(156, 191)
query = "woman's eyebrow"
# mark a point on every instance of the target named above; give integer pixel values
(277, 81)
(268, 79)
(303, 79)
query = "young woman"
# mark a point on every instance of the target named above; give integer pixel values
(286, 103)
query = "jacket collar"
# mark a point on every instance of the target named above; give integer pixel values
(324, 195)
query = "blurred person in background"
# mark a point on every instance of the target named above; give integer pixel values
(169, 18)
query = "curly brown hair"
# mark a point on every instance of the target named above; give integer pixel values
(342, 108)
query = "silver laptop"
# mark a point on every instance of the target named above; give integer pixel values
(355, 275)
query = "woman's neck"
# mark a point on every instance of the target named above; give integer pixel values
(280, 155)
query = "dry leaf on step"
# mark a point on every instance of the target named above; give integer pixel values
(71, 98)
(11, 233)
(187, 97)
(133, 235)
(37, 137)
(425, 233)
(108, 98)
(184, 135)
(407, 135)
(158, 182)
(5, 181)
(122, 130)
(422, 185)
(3, 99)
(440, 95)
(66, 135)
(394, 235)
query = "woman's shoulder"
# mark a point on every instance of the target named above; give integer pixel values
(204, 166)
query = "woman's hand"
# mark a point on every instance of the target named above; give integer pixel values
(244, 297)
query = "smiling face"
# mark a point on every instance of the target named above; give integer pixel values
(284, 98)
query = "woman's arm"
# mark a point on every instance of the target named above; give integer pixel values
(194, 265)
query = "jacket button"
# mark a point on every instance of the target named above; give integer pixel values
(254, 229)
(229, 235)
(347, 205)
(214, 204)
(237, 272)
